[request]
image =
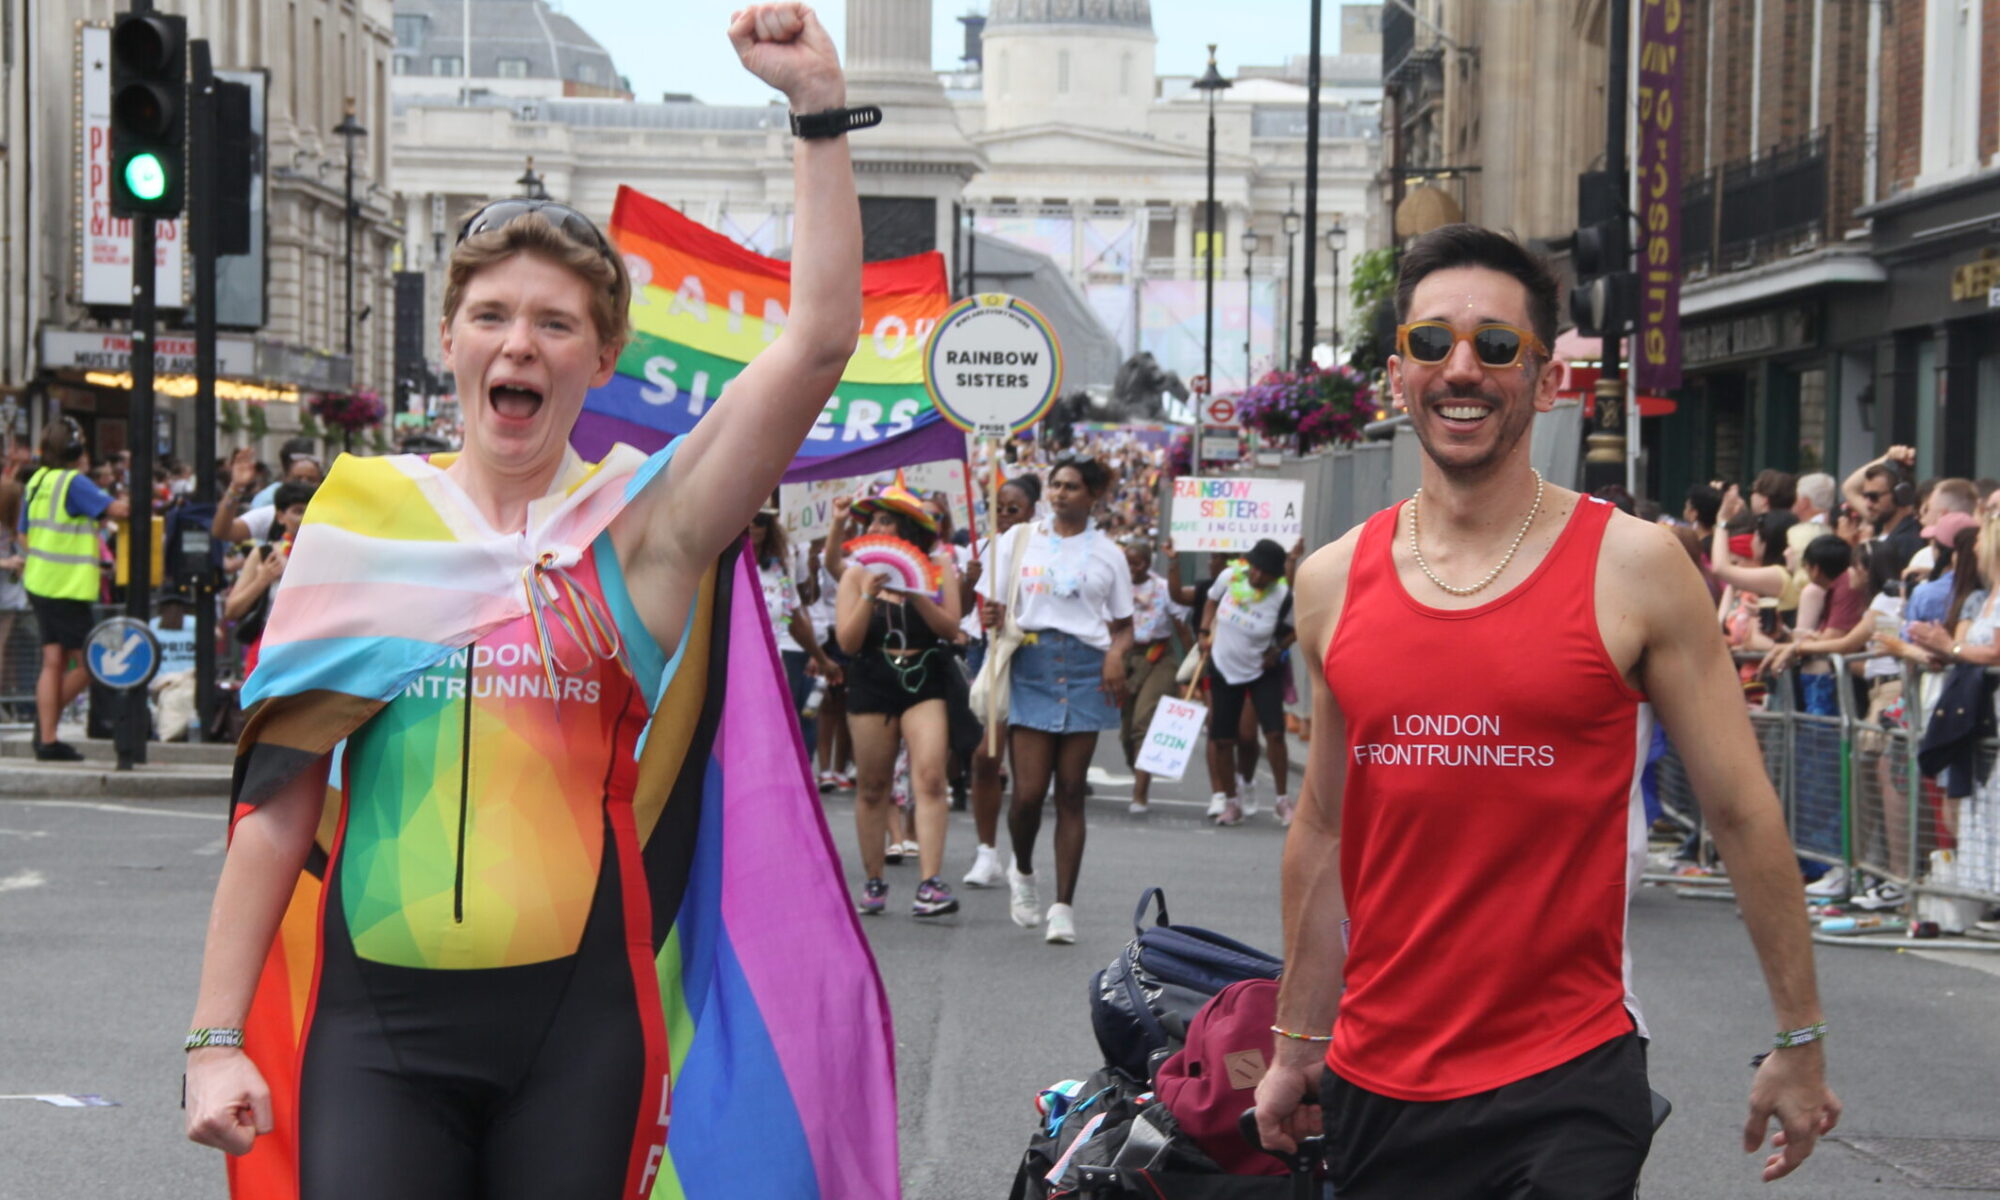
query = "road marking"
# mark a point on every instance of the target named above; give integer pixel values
(1098, 774)
(211, 849)
(21, 881)
(26, 833)
(122, 808)
(1976, 959)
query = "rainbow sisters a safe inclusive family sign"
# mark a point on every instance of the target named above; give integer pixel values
(1231, 514)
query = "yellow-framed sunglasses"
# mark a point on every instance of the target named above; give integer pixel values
(1497, 346)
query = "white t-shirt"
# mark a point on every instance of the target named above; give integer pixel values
(1154, 611)
(1892, 607)
(1074, 585)
(1243, 632)
(259, 521)
(780, 599)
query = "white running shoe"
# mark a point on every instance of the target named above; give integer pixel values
(1025, 905)
(1062, 926)
(1284, 808)
(1137, 809)
(985, 872)
(1831, 885)
(1232, 813)
(1216, 804)
(1246, 791)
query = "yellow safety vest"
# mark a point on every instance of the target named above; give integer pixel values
(62, 550)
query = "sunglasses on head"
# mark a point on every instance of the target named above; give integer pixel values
(572, 223)
(1494, 344)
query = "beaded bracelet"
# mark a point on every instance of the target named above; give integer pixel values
(1281, 1031)
(199, 1038)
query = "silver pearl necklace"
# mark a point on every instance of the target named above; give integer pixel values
(1499, 567)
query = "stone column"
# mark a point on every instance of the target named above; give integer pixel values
(888, 37)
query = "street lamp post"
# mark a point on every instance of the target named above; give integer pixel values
(1211, 83)
(1336, 240)
(349, 129)
(1250, 243)
(531, 184)
(1291, 225)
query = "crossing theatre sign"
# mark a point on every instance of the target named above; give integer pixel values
(1752, 335)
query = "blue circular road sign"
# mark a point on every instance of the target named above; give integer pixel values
(122, 653)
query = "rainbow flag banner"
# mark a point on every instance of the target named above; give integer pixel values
(703, 306)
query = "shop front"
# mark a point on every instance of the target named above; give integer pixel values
(1938, 357)
(260, 384)
(1758, 391)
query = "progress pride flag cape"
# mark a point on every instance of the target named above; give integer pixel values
(703, 306)
(771, 1012)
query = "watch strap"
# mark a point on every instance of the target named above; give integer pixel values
(835, 122)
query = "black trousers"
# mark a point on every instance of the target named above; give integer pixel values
(1578, 1131)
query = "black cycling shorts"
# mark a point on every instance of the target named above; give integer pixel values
(501, 1083)
(1578, 1131)
(1266, 694)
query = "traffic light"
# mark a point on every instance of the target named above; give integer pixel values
(148, 114)
(236, 153)
(1605, 299)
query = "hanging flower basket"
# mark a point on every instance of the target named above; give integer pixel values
(1313, 408)
(348, 412)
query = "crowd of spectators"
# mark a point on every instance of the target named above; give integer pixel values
(1881, 568)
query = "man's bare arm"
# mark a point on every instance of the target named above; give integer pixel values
(1685, 670)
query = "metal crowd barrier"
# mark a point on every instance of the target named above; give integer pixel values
(1853, 795)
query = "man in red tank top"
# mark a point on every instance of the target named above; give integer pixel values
(1494, 652)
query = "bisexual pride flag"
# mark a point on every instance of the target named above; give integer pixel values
(703, 306)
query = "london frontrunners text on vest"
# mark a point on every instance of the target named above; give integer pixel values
(1449, 754)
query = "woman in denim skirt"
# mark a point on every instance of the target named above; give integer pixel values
(1068, 676)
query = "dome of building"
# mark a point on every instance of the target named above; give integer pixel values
(1122, 14)
(511, 39)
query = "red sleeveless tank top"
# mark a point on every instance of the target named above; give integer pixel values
(1491, 829)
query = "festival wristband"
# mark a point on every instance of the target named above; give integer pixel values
(200, 1038)
(1281, 1031)
(835, 122)
(1789, 1038)
(1799, 1037)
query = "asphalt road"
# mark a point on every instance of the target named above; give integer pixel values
(102, 907)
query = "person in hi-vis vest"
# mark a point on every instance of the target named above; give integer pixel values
(60, 519)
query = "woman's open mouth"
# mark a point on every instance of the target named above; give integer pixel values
(515, 402)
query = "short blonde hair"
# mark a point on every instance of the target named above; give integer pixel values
(532, 233)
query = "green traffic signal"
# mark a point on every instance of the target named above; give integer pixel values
(145, 177)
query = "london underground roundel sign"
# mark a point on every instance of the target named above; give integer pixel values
(993, 365)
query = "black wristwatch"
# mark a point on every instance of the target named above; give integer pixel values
(835, 122)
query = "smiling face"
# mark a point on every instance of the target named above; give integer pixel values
(524, 352)
(1468, 417)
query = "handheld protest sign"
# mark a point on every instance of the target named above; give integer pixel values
(1170, 739)
(993, 365)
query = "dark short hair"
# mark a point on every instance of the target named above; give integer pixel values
(1095, 475)
(1465, 245)
(1781, 488)
(290, 495)
(298, 447)
(1029, 485)
(1829, 554)
(1705, 501)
